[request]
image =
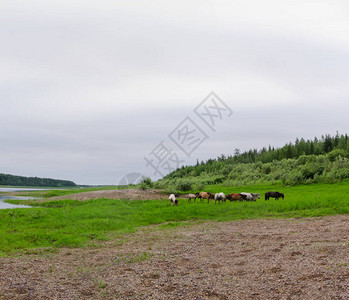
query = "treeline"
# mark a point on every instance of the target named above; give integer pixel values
(301, 147)
(310, 161)
(13, 180)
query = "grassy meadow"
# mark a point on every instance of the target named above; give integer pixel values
(70, 223)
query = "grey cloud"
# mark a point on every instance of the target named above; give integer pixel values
(71, 81)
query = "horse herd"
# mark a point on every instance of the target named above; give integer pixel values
(221, 197)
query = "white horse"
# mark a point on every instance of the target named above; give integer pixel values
(250, 196)
(191, 196)
(173, 200)
(254, 196)
(219, 197)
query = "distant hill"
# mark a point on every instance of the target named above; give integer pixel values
(304, 161)
(14, 180)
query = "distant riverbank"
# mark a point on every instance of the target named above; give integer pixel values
(6, 193)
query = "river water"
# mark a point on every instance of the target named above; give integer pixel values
(3, 197)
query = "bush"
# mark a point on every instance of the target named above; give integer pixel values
(266, 168)
(337, 153)
(146, 183)
(184, 185)
(199, 186)
(293, 178)
(143, 186)
(310, 170)
(218, 180)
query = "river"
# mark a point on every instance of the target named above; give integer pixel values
(3, 197)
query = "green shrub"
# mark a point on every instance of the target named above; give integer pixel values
(146, 183)
(199, 186)
(218, 180)
(337, 153)
(266, 168)
(184, 185)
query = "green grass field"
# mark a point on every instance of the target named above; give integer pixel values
(70, 223)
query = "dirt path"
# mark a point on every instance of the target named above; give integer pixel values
(134, 194)
(252, 259)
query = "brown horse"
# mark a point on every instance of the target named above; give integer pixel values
(234, 197)
(204, 195)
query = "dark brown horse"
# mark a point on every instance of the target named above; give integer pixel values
(234, 197)
(275, 195)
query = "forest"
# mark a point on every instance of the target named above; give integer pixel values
(13, 180)
(321, 160)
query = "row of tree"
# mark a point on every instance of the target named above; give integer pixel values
(301, 147)
(13, 180)
(318, 160)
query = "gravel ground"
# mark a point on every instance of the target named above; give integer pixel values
(252, 259)
(134, 194)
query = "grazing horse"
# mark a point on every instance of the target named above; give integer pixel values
(173, 200)
(275, 195)
(255, 196)
(198, 196)
(234, 197)
(246, 196)
(219, 197)
(192, 196)
(250, 196)
(204, 195)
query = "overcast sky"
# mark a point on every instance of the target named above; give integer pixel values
(88, 89)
